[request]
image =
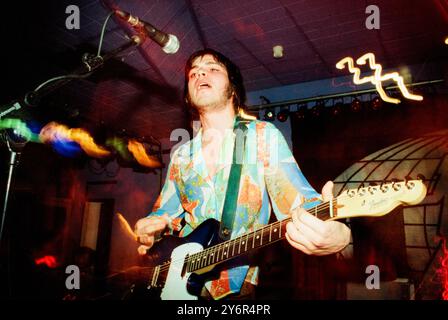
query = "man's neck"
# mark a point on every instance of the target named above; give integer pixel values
(216, 122)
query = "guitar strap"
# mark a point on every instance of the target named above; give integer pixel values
(233, 185)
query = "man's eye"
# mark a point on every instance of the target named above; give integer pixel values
(192, 75)
(214, 69)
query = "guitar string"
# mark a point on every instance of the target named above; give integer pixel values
(319, 210)
(253, 233)
(217, 248)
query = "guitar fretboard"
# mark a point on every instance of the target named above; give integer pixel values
(252, 240)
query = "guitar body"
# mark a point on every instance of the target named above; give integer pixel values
(180, 284)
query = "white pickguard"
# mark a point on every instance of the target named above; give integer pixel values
(176, 286)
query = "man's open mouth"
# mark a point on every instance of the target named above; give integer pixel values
(203, 85)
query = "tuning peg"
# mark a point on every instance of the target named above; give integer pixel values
(396, 184)
(372, 187)
(421, 177)
(361, 189)
(384, 186)
(410, 184)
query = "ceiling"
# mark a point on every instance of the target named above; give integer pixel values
(141, 90)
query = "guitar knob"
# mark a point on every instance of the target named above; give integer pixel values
(384, 188)
(396, 186)
(351, 193)
(362, 191)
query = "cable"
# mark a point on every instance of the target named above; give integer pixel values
(102, 33)
(67, 76)
(78, 76)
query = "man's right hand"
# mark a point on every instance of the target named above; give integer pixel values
(147, 229)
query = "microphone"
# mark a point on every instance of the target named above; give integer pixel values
(168, 42)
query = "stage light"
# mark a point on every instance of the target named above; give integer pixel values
(376, 103)
(337, 108)
(269, 115)
(300, 114)
(318, 109)
(282, 116)
(356, 105)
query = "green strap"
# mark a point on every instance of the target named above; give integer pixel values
(233, 185)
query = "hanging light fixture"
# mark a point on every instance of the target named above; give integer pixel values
(318, 109)
(337, 108)
(376, 103)
(269, 115)
(302, 109)
(356, 105)
(283, 114)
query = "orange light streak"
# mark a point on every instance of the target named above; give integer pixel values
(54, 132)
(138, 151)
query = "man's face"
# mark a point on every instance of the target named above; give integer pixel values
(208, 84)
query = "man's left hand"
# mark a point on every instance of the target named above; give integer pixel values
(314, 236)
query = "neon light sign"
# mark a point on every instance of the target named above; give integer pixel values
(377, 78)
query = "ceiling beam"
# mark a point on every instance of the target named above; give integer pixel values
(196, 23)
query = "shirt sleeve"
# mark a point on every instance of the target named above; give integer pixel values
(287, 186)
(169, 200)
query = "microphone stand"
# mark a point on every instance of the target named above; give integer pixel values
(15, 148)
(90, 64)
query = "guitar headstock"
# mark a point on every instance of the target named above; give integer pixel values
(374, 201)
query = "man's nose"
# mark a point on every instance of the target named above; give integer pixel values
(201, 73)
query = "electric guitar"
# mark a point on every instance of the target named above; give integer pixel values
(180, 264)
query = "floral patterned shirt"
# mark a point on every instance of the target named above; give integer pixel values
(270, 178)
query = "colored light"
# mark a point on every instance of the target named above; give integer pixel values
(19, 128)
(49, 261)
(377, 78)
(443, 270)
(67, 148)
(54, 132)
(138, 151)
(121, 146)
(269, 115)
(244, 115)
(337, 109)
(356, 105)
(282, 116)
(376, 103)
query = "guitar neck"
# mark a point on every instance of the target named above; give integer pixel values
(252, 240)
